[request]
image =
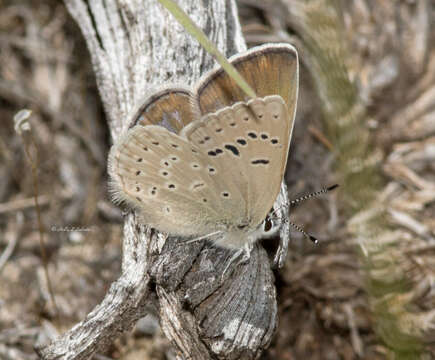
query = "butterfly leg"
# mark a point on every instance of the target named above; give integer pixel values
(281, 252)
(242, 255)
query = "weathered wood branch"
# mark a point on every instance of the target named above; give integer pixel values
(136, 46)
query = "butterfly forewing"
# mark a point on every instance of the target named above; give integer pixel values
(248, 142)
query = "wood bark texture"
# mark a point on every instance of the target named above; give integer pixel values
(206, 312)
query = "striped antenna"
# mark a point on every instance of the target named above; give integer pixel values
(303, 198)
(308, 236)
(309, 196)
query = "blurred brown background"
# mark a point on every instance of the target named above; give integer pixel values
(326, 303)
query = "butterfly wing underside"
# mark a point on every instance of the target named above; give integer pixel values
(172, 108)
(223, 170)
(270, 69)
(249, 142)
(177, 187)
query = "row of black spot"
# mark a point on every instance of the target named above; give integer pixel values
(153, 192)
(215, 152)
(156, 143)
(173, 158)
(234, 149)
(171, 186)
(206, 138)
(252, 135)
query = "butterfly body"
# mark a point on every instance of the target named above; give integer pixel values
(236, 238)
(219, 176)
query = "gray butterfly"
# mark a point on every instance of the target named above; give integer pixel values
(209, 163)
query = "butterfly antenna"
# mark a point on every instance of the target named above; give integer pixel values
(305, 197)
(296, 202)
(308, 236)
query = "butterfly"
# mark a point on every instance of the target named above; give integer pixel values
(209, 162)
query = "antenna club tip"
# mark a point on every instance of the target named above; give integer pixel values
(332, 187)
(313, 239)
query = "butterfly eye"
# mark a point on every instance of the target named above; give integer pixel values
(268, 224)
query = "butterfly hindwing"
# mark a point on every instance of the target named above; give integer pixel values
(270, 69)
(172, 108)
(172, 182)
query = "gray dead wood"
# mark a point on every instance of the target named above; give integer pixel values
(136, 46)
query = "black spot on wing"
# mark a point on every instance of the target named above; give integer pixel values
(241, 141)
(233, 149)
(260, 162)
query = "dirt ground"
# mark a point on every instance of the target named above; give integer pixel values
(327, 307)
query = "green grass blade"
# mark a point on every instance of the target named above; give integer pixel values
(199, 35)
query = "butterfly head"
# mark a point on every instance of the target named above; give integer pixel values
(238, 236)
